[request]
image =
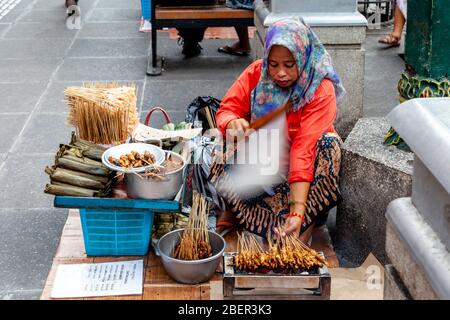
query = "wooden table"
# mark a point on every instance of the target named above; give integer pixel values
(157, 284)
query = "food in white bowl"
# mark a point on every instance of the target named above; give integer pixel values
(133, 157)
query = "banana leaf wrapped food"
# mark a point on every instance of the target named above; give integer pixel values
(78, 171)
(82, 151)
(86, 148)
(76, 178)
(62, 189)
(82, 164)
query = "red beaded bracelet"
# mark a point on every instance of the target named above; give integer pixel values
(296, 214)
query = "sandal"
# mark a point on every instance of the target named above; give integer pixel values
(390, 40)
(234, 52)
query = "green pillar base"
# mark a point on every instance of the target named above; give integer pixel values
(410, 87)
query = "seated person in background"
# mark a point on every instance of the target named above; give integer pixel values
(189, 37)
(297, 70)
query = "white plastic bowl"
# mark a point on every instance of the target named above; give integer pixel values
(126, 148)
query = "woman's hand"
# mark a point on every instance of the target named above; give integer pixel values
(238, 125)
(298, 197)
(291, 226)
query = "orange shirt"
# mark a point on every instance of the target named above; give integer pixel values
(305, 126)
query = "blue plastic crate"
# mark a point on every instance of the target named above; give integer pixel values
(116, 232)
(116, 227)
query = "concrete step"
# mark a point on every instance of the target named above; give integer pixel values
(416, 252)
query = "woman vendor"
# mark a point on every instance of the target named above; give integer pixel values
(297, 70)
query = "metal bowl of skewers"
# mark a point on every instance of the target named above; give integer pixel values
(190, 271)
(133, 157)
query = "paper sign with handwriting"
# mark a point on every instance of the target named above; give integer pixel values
(98, 279)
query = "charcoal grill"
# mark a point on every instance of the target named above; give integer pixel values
(313, 285)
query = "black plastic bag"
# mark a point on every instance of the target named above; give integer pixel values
(199, 109)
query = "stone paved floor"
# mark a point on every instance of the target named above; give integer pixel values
(39, 57)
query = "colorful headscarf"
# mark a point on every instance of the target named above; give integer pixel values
(313, 63)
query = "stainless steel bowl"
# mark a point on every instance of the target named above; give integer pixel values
(190, 271)
(140, 187)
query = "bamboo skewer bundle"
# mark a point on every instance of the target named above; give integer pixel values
(287, 254)
(194, 243)
(102, 113)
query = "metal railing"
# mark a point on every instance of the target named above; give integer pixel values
(377, 12)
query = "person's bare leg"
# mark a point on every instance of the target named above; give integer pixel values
(306, 235)
(394, 37)
(399, 22)
(244, 43)
(224, 220)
